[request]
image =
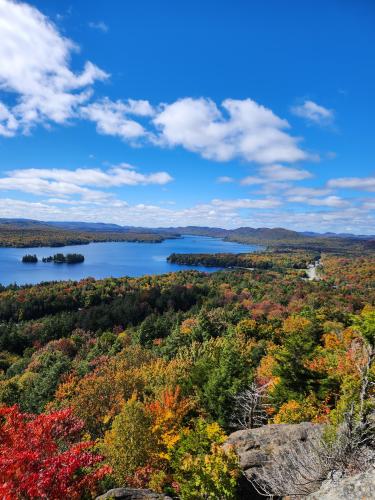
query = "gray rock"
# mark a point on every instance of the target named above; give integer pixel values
(358, 487)
(259, 448)
(256, 447)
(132, 494)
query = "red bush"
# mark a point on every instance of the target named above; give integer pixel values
(41, 456)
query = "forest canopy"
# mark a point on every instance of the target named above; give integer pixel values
(149, 369)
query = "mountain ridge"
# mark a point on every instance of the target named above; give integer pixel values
(269, 233)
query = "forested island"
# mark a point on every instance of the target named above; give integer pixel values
(137, 382)
(58, 258)
(30, 259)
(69, 258)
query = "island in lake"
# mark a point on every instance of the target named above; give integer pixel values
(29, 259)
(58, 258)
(69, 258)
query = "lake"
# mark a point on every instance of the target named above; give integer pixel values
(103, 260)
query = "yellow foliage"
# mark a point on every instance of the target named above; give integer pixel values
(167, 415)
(294, 412)
(247, 327)
(295, 324)
(188, 325)
(265, 370)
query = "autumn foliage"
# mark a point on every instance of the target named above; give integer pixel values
(41, 456)
(133, 381)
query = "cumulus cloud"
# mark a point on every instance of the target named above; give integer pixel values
(35, 69)
(242, 129)
(360, 183)
(112, 117)
(8, 122)
(37, 76)
(314, 113)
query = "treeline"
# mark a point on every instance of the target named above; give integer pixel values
(276, 261)
(151, 368)
(51, 237)
(318, 244)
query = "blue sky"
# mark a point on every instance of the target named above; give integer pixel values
(161, 113)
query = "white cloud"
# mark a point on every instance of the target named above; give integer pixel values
(139, 107)
(35, 68)
(118, 175)
(281, 173)
(247, 203)
(276, 175)
(224, 179)
(37, 76)
(360, 183)
(99, 26)
(307, 191)
(328, 201)
(369, 205)
(64, 184)
(8, 122)
(252, 180)
(251, 132)
(351, 219)
(39, 186)
(314, 113)
(111, 117)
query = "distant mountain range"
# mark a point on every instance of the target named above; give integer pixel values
(262, 233)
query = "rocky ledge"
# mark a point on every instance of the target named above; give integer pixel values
(132, 494)
(259, 448)
(361, 486)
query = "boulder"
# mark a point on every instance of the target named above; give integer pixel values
(256, 447)
(259, 448)
(361, 486)
(132, 494)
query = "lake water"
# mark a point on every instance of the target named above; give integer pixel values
(103, 260)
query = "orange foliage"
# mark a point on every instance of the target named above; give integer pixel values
(264, 372)
(167, 414)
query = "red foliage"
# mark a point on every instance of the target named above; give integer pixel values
(141, 477)
(40, 456)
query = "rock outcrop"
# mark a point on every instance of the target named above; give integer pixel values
(132, 494)
(259, 447)
(361, 487)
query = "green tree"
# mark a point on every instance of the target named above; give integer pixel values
(129, 443)
(202, 468)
